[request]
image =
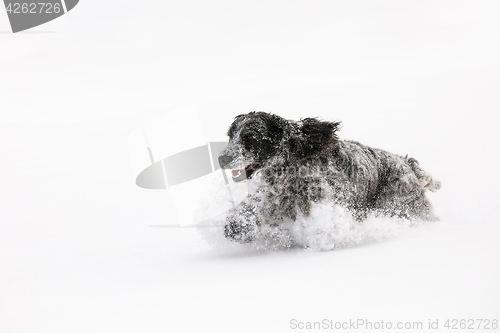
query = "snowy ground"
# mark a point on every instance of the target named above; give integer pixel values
(80, 246)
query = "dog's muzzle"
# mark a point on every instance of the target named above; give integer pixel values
(242, 174)
(239, 174)
(224, 160)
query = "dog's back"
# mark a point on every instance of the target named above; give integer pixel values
(385, 182)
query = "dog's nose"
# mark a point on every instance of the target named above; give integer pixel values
(224, 160)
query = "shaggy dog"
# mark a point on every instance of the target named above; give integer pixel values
(301, 163)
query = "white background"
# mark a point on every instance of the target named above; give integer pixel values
(78, 252)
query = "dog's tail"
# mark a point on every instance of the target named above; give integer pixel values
(425, 179)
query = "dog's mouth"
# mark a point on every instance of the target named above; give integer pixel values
(242, 174)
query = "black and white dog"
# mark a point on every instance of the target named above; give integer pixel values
(301, 163)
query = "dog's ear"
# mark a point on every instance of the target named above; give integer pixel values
(313, 137)
(276, 126)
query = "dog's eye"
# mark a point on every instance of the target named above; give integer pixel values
(250, 142)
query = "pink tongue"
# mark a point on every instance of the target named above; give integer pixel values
(235, 172)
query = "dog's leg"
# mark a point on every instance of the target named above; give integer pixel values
(403, 193)
(251, 222)
(275, 237)
(420, 207)
(242, 223)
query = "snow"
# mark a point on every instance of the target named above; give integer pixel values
(82, 249)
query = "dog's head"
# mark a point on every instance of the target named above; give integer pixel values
(256, 137)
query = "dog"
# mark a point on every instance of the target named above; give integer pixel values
(299, 164)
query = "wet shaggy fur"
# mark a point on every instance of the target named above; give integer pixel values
(293, 165)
